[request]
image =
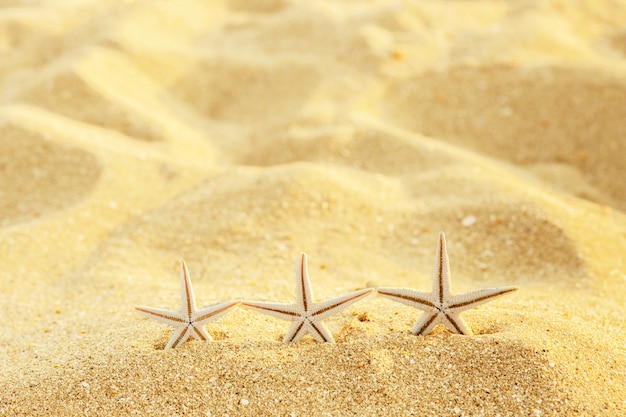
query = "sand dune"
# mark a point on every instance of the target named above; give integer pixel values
(236, 134)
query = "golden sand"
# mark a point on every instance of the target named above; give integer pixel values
(236, 134)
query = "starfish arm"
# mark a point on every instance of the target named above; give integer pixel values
(172, 318)
(179, 336)
(471, 299)
(281, 311)
(456, 324)
(198, 332)
(328, 308)
(304, 293)
(187, 296)
(441, 272)
(426, 323)
(296, 331)
(319, 332)
(420, 300)
(213, 312)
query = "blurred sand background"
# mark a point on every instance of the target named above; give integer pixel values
(238, 133)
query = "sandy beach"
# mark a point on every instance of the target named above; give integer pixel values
(238, 134)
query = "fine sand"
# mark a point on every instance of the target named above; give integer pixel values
(236, 134)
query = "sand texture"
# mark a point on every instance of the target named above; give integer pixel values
(236, 134)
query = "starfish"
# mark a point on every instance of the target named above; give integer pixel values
(306, 315)
(189, 321)
(439, 305)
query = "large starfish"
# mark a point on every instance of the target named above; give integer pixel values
(189, 321)
(306, 315)
(439, 305)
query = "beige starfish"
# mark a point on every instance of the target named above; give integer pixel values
(439, 305)
(189, 321)
(306, 315)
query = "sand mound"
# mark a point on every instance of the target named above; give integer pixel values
(486, 109)
(435, 191)
(35, 172)
(62, 88)
(237, 91)
(618, 41)
(300, 376)
(336, 201)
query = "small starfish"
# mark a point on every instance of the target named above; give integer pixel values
(187, 322)
(439, 305)
(307, 316)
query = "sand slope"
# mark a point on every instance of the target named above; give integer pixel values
(237, 134)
